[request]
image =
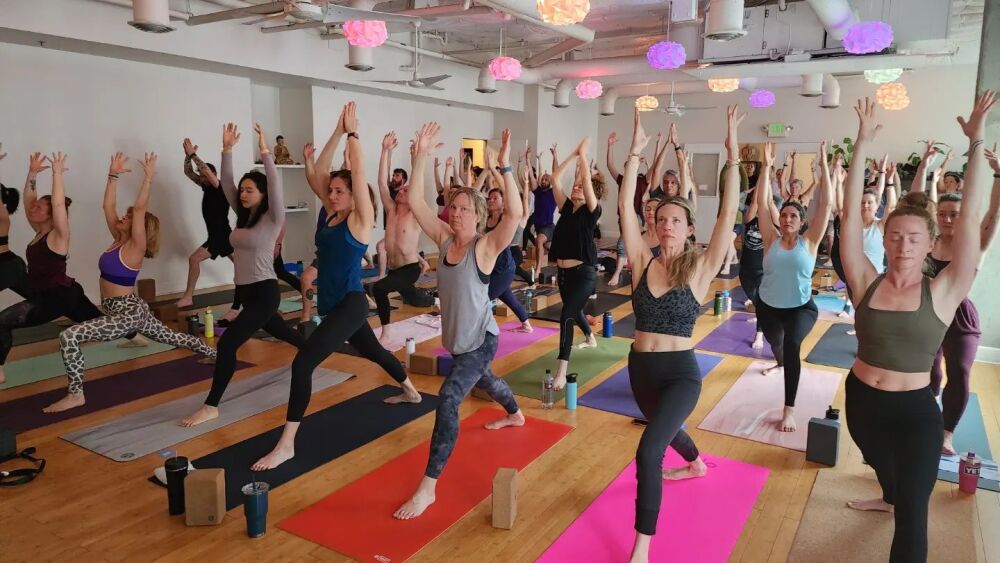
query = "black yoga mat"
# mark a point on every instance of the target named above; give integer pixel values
(734, 271)
(594, 307)
(324, 436)
(835, 348)
(26, 413)
(624, 281)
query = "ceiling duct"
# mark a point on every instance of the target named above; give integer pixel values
(835, 15)
(812, 85)
(560, 98)
(152, 16)
(724, 20)
(359, 58)
(487, 84)
(831, 93)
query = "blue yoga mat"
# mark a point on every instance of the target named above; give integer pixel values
(829, 302)
(970, 436)
(615, 393)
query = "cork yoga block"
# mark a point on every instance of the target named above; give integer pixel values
(504, 498)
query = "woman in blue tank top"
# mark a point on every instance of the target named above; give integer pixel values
(785, 308)
(340, 245)
(468, 330)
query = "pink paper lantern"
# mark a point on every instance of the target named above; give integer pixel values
(365, 33)
(666, 55)
(589, 89)
(868, 37)
(762, 99)
(505, 68)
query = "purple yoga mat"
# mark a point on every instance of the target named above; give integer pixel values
(735, 337)
(511, 341)
(615, 393)
(26, 413)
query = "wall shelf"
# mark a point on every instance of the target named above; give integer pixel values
(296, 209)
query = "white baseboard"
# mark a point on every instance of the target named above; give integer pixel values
(988, 355)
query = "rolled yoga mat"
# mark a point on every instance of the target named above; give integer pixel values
(26, 413)
(835, 348)
(587, 363)
(99, 354)
(754, 405)
(700, 519)
(357, 519)
(594, 307)
(324, 436)
(735, 336)
(614, 394)
(154, 429)
(511, 341)
(970, 435)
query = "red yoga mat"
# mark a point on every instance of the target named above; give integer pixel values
(357, 519)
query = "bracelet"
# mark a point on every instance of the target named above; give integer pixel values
(353, 134)
(996, 176)
(631, 154)
(115, 176)
(733, 162)
(889, 184)
(506, 169)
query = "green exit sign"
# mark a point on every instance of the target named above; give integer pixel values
(777, 130)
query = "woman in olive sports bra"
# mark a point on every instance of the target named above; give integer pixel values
(901, 320)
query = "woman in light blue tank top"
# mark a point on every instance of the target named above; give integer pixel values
(785, 308)
(468, 330)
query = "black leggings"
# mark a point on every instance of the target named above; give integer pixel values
(785, 329)
(527, 236)
(400, 279)
(666, 386)
(576, 285)
(519, 271)
(13, 273)
(347, 321)
(284, 275)
(260, 310)
(900, 433)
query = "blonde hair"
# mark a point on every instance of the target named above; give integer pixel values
(683, 266)
(152, 233)
(478, 203)
(600, 186)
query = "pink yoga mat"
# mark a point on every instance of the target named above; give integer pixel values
(754, 405)
(511, 341)
(700, 519)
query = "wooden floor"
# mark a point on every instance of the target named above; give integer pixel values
(88, 508)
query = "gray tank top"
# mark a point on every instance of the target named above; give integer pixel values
(466, 314)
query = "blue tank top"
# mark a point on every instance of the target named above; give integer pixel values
(787, 279)
(873, 247)
(339, 256)
(545, 207)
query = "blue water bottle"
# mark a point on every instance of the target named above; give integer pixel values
(571, 392)
(609, 325)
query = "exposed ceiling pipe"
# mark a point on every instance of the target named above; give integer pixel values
(230, 3)
(592, 68)
(338, 34)
(487, 84)
(831, 93)
(560, 98)
(526, 10)
(174, 14)
(812, 85)
(835, 15)
(611, 95)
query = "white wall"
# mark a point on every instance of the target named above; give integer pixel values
(89, 107)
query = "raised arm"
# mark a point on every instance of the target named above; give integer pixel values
(858, 268)
(230, 136)
(501, 237)
(60, 215)
(438, 184)
(610, 156)
(764, 201)
(435, 228)
(687, 190)
(817, 228)
(275, 192)
(938, 185)
(786, 175)
(117, 167)
(324, 162)
(137, 244)
(659, 157)
(992, 217)
(589, 195)
(309, 161)
(189, 168)
(389, 143)
(838, 174)
(919, 183)
(361, 221)
(892, 191)
(557, 184)
(636, 249)
(36, 164)
(722, 234)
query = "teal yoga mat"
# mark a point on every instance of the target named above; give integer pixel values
(47, 366)
(970, 435)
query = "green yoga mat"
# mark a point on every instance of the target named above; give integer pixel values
(47, 366)
(291, 304)
(587, 364)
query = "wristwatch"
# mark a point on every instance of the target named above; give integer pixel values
(354, 134)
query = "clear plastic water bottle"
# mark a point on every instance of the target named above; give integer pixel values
(727, 302)
(548, 390)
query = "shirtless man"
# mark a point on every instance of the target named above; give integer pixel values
(402, 235)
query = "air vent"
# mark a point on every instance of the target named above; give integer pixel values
(724, 20)
(151, 16)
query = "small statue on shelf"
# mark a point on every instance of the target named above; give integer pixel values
(281, 154)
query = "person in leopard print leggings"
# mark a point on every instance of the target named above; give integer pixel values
(124, 311)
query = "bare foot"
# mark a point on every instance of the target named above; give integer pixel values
(696, 468)
(204, 414)
(185, 302)
(139, 341)
(277, 456)
(844, 315)
(415, 506)
(613, 281)
(949, 447)
(230, 316)
(748, 305)
(68, 402)
(875, 504)
(787, 423)
(725, 270)
(852, 332)
(516, 419)
(405, 397)
(758, 342)
(207, 360)
(384, 337)
(525, 328)
(773, 369)
(590, 342)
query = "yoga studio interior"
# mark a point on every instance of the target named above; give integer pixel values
(500, 281)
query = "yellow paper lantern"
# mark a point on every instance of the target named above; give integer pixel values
(647, 103)
(723, 84)
(563, 12)
(892, 96)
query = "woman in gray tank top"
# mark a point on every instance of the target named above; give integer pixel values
(468, 330)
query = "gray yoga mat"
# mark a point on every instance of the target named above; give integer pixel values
(151, 430)
(835, 348)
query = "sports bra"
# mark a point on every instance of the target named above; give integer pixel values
(904, 341)
(114, 270)
(673, 313)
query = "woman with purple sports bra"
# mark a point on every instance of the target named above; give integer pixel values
(666, 294)
(124, 311)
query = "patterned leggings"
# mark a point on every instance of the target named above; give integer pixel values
(124, 315)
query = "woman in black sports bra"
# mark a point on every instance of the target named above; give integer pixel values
(666, 297)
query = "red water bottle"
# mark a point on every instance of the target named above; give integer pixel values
(968, 473)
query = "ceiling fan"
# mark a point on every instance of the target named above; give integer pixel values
(416, 81)
(674, 109)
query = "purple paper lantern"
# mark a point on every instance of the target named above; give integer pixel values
(868, 37)
(666, 55)
(762, 99)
